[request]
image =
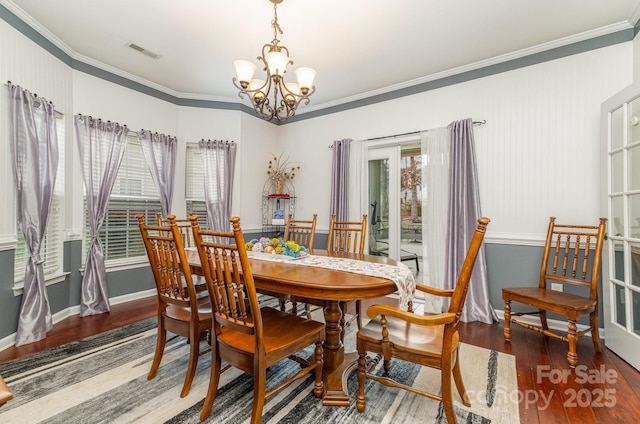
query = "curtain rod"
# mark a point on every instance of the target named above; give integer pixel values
(484, 121)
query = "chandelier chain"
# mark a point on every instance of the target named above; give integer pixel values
(276, 26)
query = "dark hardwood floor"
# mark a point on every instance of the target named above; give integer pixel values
(603, 389)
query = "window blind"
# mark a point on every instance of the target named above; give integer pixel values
(195, 198)
(133, 193)
(52, 246)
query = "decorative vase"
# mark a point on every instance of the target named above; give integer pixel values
(278, 183)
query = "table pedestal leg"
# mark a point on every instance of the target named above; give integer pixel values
(337, 365)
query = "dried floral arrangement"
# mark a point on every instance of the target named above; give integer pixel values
(281, 168)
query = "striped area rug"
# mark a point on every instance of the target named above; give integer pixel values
(103, 379)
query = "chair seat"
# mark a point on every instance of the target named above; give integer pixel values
(281, 331)
(550, 299)
(182, 314)
(413, 338)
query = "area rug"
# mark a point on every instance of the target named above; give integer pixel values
(103, 379)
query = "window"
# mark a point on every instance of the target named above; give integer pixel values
(133, 193)
(196, 204)
(52, 247)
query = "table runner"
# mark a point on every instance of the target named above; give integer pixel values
(400, 274)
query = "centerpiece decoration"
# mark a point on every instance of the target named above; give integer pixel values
(281, 169)
(277, 246)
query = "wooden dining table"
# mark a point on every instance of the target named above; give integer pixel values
(330, 287)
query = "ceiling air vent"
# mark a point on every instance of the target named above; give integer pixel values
(144, 51)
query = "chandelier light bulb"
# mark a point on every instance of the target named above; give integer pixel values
(244, 71)
(256, 86)
(305, 77)
(277, 63)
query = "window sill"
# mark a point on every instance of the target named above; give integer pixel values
(18, 287)
(123, 265)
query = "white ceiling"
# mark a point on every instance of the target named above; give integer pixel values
(358, 47)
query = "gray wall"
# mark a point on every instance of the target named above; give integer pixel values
(65, 294)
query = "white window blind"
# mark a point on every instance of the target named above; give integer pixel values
(196, 204)
(133, 193)
(52, 246)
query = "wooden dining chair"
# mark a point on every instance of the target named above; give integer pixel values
(302, 232)
(427, 340)
(184, 226)
(347, 237)
(246, 336)
(181, 310)
(571, 257)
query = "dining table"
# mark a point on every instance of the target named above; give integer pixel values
(331, 287)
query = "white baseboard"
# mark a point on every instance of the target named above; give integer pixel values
(553, 324)
(10, 340)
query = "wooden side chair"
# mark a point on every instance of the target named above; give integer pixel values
(347, 237)
(180, 310)
(572, 256)
(301, 231)
(184, 226)
(427, 340)
(246, 336)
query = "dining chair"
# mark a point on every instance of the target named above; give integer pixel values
(181, 310)
(5, 394)
(347, 237)
(247, 336)
(184, 226)
(302, 232)
(426, 340)
(571, 257)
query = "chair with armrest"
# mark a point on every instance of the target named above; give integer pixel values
(180, 310)
(579, 249)
(246, 336)
(430, 341)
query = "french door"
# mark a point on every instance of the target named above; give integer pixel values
(395, 201)
(620, 165)
(384, 200)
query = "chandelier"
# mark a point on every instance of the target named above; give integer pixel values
(286, 96)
